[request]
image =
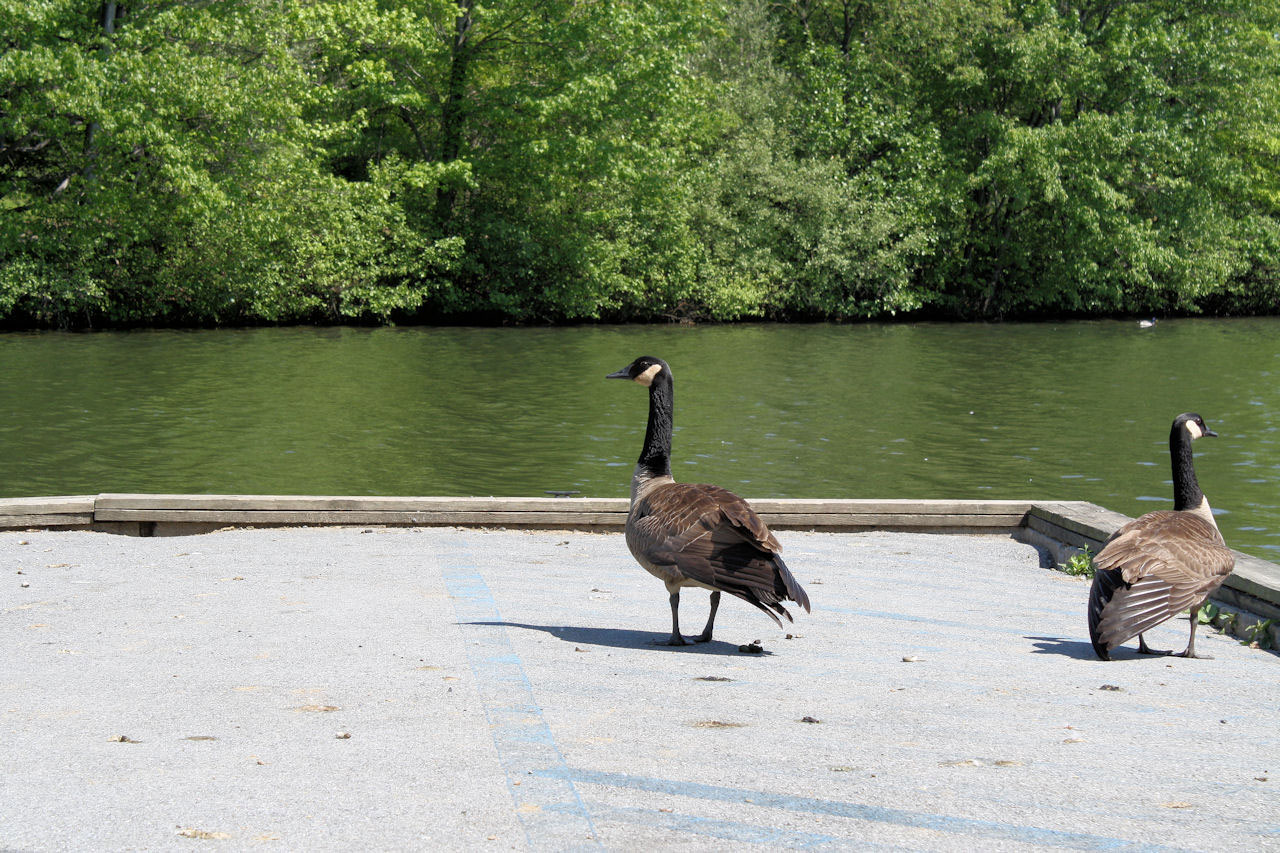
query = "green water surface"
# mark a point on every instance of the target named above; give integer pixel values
(1076, 411)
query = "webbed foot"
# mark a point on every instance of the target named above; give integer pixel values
(1144, 649)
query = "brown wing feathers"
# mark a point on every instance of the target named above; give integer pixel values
(713, 537)
(1150, 570)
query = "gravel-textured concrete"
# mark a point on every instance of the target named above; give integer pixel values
(408, 689)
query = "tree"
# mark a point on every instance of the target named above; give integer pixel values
(200, 194)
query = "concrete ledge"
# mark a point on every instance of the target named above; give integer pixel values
(1059, 528)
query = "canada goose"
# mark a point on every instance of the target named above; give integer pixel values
(1158, 565)
(689, 534)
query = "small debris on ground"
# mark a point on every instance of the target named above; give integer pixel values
(911, 658)
(752, 648)
(810, 720)
(1113, 687)
(712, 678)
(716, 724)
(343, 735)
(122, 739)
(203, 834)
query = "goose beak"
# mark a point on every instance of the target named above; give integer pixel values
(624, 373)
(1210, 433)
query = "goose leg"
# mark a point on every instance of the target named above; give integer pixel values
(1144, 649)
(705, 636)
(1190, 651)
(676, 639)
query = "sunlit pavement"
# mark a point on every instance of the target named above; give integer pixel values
(407, 689)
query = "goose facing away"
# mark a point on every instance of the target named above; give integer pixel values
(697, 535)
(1158, 565)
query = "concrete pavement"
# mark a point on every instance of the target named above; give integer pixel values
(444, 688)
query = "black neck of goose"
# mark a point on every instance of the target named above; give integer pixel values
(655, 457)
(1186, 489)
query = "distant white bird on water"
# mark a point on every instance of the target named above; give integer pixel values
(1146, 324)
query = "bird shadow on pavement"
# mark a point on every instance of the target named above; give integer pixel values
(1062, 646)
(619, 638)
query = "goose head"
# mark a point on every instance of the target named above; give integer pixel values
(1194, 425)
(644, 370)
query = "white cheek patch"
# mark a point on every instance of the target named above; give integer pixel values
(1194, 429)
(646, 378)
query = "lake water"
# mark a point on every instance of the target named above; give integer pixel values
(1070, 411)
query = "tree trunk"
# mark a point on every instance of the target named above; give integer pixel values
(109, 15)
(451, 108)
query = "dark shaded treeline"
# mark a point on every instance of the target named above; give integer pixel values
(557, 160)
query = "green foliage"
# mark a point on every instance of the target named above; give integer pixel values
(1259, 633)
(1079, 564)
(354, 160)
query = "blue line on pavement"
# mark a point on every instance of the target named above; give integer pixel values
(963, 826)
(546, 801)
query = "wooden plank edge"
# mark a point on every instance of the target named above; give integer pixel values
(347, 503)
(952, 521)
(46, 520)
(349, 517)
(508, 504)
(1080, 517)
(614, 519)
(59, 505)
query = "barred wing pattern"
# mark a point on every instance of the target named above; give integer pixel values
(710, 536)
(1152, 569)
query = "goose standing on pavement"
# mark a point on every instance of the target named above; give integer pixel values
(1162, 563)
(689, 534)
